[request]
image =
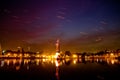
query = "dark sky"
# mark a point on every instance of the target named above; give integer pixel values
(81, 25)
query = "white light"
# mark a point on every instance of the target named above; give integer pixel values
(2, 63)
(57, 54)
(74, 61)
(3, 51)
(56, 63)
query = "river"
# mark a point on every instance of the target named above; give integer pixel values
(69, 69)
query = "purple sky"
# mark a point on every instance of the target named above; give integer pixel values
(81, 25)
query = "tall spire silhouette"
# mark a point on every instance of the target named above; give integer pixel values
(58, 48)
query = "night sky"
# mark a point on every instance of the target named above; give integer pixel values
(81, 25)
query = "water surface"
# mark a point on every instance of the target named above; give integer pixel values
(45, 69)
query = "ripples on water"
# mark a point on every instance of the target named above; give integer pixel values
(50, 69)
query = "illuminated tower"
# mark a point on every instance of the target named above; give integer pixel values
(57, 48)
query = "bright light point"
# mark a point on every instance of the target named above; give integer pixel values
(44, 60)
(57, 54)
(74, 61)
(111, 54)
(3, 51)
(74, 56)
(112, 61)
(56, 63)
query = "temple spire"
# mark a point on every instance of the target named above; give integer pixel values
(58, 46)
(57, 49)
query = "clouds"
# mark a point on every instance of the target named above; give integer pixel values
(79, 23)
(61, 13)
(60, 17)
(83, 33)
(108, 39)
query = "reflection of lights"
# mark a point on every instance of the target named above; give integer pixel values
(79, 60)
(8, 62)
(20, 61)
(63, 61)
(116, 61)
(107, 61)
(100, 60)
(2, 63)
(27, 67)
(74, 61)
(14, 61)
(56, 63)
(97, 60)
(26, 61)
(111, 54)
(112, 61)
(37, 62)
(43, 60)
(17, 67)
(52, 61)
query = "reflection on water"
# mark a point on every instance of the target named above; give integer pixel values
(57, 67)
(57, 64)
(19, 62)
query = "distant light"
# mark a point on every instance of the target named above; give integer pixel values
(3, 51)
(8, 54)
(38, 52)
(74, 56)
(111, 54)
(112, 61)
(74, 61)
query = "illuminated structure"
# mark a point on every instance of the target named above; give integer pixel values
(58, 48)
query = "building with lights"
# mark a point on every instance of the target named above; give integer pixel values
(18, 54)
